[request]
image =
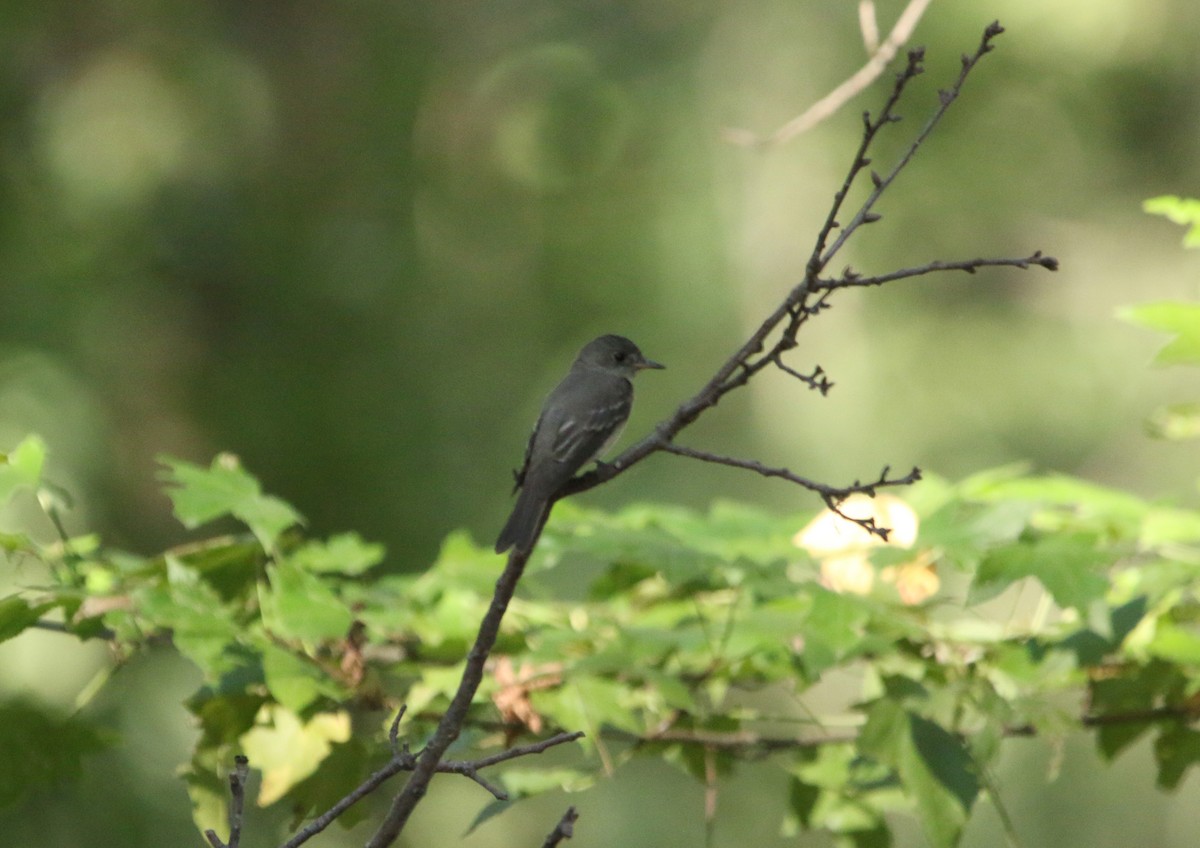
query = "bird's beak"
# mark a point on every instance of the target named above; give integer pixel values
(649, 363)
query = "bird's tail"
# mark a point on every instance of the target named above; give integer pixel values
(524, 525)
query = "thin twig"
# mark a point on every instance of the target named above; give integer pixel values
(450, 725)
(746, 741)
(816, 380)
(833, 496)
(945, 98)
(850, 279)
(524, 750)
(237, 801)
(402, 760)
(565, 829)
(59, 627)
(868, 24)
(880, 58)
(710, 795)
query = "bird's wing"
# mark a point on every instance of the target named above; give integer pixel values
(519, 474)
(580, 438)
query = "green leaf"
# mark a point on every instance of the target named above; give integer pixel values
(202, 628)
(346, 553)
(588, 703)
(879, 836)
(203, 494)
(947, 759)
(1175, 644)
(293, 682)
(933, 765)
(1128, 694)
(1069, 566)
(288, 750)
(208, 792)
(1175, 422)
(228, 710)
(837, 620)
(299, 605)
(1167, 525)
(16, 614)
(22, 467)
(1176, 749)
(1083, 499)
(1180, 320)
(1178, 210)
(42, 749)
(340, 773)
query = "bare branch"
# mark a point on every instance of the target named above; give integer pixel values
(880, 58)
(59, 627)
(402, 760)
(835, 493)
(531, 748)
(850, 279)
(466, 771)
(945, 99)
(394, 732)
(450, 725)
(831, 495)
(868, 24)
(816, 380)
(393, 767)
(749, 742)
(237, 796)
(565, 829)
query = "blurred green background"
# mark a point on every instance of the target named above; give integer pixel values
(356, 242)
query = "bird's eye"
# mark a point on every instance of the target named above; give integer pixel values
(620, 356)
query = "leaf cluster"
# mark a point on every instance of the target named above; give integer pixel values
(699, 638)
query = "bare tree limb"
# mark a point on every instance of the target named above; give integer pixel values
(868, 25)
(851, 279)
(945, 98)
(237, 802)
(831, 495)
(450, 725)
(810, 296)
(837, 493)
(565, 829)
(880, 57)
(402, 760)
(746, 741)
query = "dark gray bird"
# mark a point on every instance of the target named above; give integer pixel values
(580, 420)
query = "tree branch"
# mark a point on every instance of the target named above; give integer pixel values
(831, 495)
(237, 795)
(565, 829)
(745, 741)
(811, 295)
(851, 279)
(450, 725)
(402, 760)
(945, 98)
(881, 56)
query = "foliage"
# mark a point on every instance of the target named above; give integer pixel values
(684, 636)
(1180, 320)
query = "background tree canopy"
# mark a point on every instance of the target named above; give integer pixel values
(355, 245)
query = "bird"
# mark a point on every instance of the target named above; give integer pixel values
(579, 421)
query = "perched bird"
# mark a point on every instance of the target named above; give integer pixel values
(580, 420)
